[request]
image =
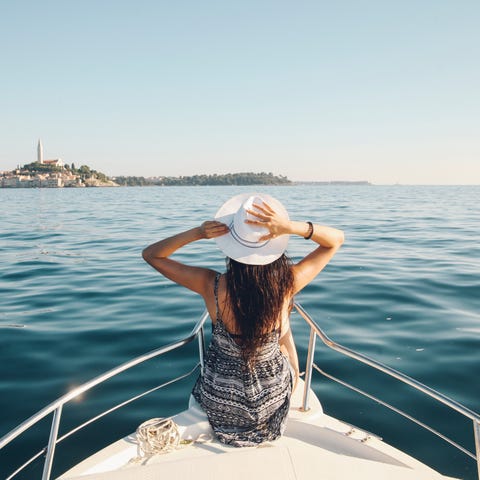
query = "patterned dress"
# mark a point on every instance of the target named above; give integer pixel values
(245, 405)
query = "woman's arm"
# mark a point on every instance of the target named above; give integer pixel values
(328, 239)
(287, 347)
(194, 278)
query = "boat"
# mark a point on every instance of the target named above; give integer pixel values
(314, 444)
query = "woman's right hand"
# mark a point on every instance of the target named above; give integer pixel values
(212, 229)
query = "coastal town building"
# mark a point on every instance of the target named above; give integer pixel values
(40, 151)
(47, 180)
(54, 162)
(39, 175)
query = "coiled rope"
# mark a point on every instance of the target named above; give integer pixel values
(157, 435)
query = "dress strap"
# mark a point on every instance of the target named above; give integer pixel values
(215, 292)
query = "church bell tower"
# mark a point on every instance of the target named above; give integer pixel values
(40, 152)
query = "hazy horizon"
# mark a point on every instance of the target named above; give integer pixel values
(298, 180)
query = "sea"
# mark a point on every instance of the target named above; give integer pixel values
(76, 299)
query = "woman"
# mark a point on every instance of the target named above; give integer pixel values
(251, 366)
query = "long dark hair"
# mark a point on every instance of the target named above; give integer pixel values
(256, 294)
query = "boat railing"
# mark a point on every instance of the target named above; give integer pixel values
(316, 331)
(57, 406)
(197, 333)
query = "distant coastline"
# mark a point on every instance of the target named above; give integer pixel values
(55, 173)
(41, 175)
(48, 175)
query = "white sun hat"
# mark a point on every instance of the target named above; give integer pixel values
(242, 241)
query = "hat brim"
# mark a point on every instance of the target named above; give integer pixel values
(257, 254)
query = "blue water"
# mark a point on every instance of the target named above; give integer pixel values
(76, 299)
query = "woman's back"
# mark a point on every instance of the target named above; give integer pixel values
(246, 399)
(230, 322)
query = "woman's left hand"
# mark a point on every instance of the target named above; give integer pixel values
(269, 219)
(212, 229)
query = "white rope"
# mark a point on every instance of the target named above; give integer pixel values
(156, 436)
(159, 436)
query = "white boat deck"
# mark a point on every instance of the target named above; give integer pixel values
(313, 446)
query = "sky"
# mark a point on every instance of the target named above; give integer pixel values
(381, 91)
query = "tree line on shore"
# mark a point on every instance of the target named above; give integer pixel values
(244, 178)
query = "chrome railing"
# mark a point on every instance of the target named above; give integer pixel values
(198, 333)
(57, 406)
(316, 331)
